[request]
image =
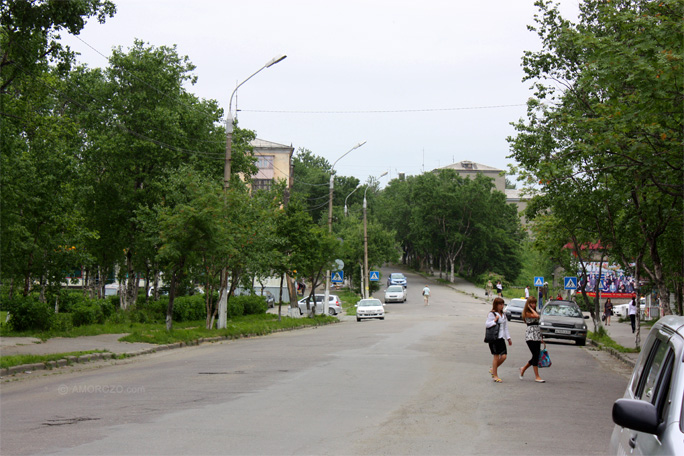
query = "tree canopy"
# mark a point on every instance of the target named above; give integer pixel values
(602, 144)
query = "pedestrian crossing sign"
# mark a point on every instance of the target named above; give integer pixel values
(337, 277)
(539, 281)
(374, 276)
(570, 283)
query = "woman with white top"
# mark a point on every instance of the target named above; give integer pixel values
(498, 347)
(632, 311)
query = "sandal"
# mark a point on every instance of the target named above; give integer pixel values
(497, 380)
(540, 380)
(521, 373)
(491, 373)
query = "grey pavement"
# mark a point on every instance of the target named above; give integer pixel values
(619, 332)
(32, 346)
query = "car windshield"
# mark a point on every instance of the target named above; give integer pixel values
(517, 304)
(397, 276)
(554, 310)
(369, 303)
(395, 288)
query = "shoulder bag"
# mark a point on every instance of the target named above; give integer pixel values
(491, 333)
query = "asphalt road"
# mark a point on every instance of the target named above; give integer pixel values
(415, 383)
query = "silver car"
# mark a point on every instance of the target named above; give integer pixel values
(334, 305)
(563, 320)
(395, 293)
(648, 419)
(514, 309)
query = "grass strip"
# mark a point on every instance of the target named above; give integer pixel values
(602, 337)
(252, 325)
(17, 360)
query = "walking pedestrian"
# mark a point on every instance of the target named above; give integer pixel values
(533, 338)
(489, 288)
(426, 295)
(608, 311)
(527, 292)
(632, 311)
(498, 347)
(499, 289)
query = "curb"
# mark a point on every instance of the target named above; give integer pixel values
(616, 354)
(71, 360)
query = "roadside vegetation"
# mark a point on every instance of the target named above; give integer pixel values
(18, 360)
(602, 337)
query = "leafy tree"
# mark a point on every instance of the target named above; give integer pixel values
(605, 128)
(188, 221)
(459, 221)
(29, 35)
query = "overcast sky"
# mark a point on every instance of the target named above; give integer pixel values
(426, 83)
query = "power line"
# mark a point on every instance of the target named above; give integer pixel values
(382, 111)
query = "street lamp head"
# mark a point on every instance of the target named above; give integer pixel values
(359, 145)
(275, 60)
(383, 174)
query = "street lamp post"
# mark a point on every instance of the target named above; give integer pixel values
(229, 120)
(326, 297)
(365, 242)
(223, 301)
(345, 200)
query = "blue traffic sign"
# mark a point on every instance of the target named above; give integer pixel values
(539, 281)
(570, 283)
(337, 277)
(374, 276)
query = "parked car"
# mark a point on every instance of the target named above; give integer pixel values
(334, 305)
(563, 320)
(395, 293)
(396, 278)
(370, 308)
(514, 309)
(648, 419)
(622, 310)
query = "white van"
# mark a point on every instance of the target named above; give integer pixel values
(648, 418)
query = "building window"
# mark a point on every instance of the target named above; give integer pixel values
(265, 161)
(467, 165)
(261, 184)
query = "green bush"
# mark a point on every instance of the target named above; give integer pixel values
(252, 305)
(235, 307)
(108, 307)
(114, 301)
(68, 299)
(87, 312)
(189, 308)
(29, 313)
(62, 322)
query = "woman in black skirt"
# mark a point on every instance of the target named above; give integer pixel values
(498, 347)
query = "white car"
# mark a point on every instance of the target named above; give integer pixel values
(334, 305)
(370, 308)
(395, 293)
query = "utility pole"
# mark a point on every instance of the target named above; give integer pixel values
(223, 294)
